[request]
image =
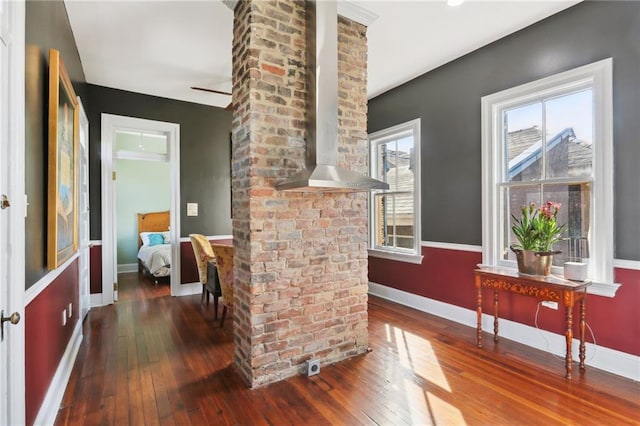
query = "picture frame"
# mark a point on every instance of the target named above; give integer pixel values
(62, 191)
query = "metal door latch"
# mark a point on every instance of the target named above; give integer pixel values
(4, 202)
(14, 318)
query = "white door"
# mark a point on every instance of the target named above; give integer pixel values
(83, 219)
(12, 211)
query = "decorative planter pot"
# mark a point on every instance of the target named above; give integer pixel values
(534, 262)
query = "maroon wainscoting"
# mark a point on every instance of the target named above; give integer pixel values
(95, 264)
(188, 268)
(616, 322)
(46, 338)
(444, 275)
(447, 276)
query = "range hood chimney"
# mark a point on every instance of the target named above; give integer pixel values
(322, 173)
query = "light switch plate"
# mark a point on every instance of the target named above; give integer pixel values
(192, 209)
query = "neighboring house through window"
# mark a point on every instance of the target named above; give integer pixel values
(551, 140)
(394, 226)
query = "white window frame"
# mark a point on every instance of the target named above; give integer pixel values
(413, 255)
(597, 76)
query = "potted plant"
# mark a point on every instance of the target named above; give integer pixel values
(537, 230)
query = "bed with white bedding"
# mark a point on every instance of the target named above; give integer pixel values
(154, 245)
(156, 258)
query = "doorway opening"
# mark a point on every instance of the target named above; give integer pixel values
(127, 140)
(142, 194)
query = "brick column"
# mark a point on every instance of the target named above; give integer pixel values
(300, 258)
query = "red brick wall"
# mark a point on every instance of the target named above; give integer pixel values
(300, 258)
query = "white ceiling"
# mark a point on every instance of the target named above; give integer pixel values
(163, 48)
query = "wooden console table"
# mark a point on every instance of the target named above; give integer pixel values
(549, 288)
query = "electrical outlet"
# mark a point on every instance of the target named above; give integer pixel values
(550, 305)
(70, 310)
(64, 317)
(313, 367)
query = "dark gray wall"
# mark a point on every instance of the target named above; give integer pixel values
(47, 26)
(204, 155)
(448, 102)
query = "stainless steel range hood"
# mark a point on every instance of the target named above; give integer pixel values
(322, 172)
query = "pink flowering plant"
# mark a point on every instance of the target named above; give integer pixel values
(537, 229)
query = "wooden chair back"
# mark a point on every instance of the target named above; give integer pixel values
(203, 253)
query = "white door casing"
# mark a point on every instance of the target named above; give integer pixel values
(12, 235)
(110, 124)
(83, 219)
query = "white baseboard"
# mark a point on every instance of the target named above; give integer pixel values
(128, 267)
(96, 300)
(53, 398)
(611, 360)
(189, 289)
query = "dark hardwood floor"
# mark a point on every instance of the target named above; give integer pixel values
(154, 359)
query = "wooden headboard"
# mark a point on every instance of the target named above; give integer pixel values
(152, 222)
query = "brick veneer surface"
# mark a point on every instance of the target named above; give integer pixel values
(300, 258)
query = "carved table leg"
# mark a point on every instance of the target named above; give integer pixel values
(583, 314)
(569, 338)
(495, 316)
(479, 312)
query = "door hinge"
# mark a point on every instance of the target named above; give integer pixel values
(115, 286)
(113, 175)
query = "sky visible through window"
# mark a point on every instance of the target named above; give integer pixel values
(405, 144)
(573, 110)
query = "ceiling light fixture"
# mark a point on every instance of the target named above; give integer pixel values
(454, 2)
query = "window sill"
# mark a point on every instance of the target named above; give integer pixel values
(603, 289)
(400, 257)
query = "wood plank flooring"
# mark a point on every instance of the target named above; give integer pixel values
(152, 359)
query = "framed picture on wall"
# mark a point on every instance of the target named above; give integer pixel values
(62, 193)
